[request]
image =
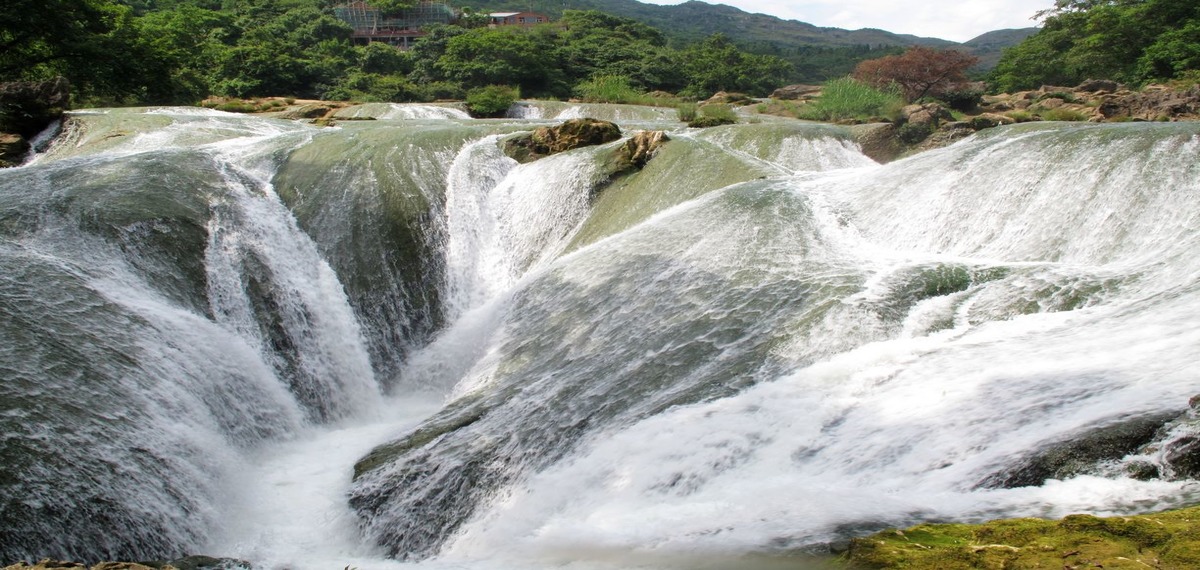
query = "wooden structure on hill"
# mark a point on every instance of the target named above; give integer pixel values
(400, 29)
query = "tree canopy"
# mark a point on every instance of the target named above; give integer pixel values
(918, 72)
(180, 51)
(1132, 41)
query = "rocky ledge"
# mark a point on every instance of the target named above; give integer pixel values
(926, 126)
(26, 109)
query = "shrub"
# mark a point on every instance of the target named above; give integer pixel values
(848, 98)
(491, 101)
(608, 89)
(687, 112)
(714, 115)
(373, 87)
(236, 107)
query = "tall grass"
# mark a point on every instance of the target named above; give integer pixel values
(614, 88)
(609, 89)
(686, 111)
(848, 98)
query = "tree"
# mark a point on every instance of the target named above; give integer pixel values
(716, 64)
(1133, 41)
(93, 43)
(500, 56)
(919, 72)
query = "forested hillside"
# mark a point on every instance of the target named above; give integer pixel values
(816, 53)
(1132, 41)
(180, 51)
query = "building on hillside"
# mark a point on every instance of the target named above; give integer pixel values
(516, 19)
(400, 29)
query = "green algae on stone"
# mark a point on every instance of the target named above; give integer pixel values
(1164, 541)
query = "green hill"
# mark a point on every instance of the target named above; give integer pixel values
(818, 53)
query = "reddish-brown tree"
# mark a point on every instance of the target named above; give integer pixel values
(919, 72)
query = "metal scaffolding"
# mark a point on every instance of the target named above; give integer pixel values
(371, 24)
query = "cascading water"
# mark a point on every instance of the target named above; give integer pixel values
(758, 344)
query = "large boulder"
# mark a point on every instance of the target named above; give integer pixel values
(1081, 454)
(727, 98)
(878, 141)
(796, 92)
(28, 107)
(13, 149)
(925, 115)
(546, 141)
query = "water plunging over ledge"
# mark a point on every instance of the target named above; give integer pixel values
(314, 348)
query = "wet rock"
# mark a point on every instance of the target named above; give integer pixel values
(878, 141)
(197, 562)
(638, 150)
(1174, 452)
(546, 141)
(28, 107)
(1080, 454)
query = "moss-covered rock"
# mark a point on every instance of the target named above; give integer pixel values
(1164, 541)
(573, 134)
(187, 563)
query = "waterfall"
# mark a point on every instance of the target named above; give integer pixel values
(386, 344)
(162, 317)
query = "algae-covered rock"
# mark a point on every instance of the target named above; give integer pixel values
(1164, 541)
(573, 134)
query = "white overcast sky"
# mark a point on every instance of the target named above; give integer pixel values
(957, 20)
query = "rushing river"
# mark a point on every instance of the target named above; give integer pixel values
(388, 345)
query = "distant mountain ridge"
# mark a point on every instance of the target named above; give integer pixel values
(817, 52)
